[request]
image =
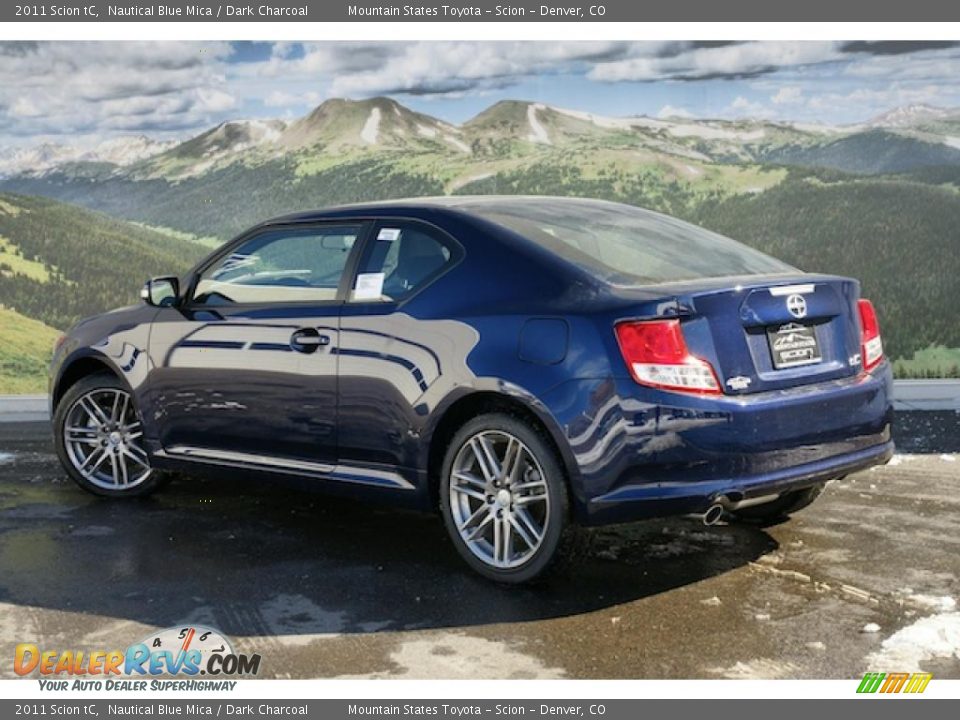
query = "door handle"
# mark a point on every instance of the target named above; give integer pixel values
(308, 340)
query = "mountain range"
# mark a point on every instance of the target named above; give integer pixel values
(879, 200)
(915, 136)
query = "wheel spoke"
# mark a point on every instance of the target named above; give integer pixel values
(121, 465)
(529, 524)
(137, 455)
(506, 540)
(527, 499)
(94, 411)
(479, 513)
(498, 541)
(120, 408)
(114, 415)
(522, 532)
(469, 492)
(530, 485)
(82, 435)
(477, 530)
(486, 460)
(96, 457)
(470, 478)
(114, 468)
(512, 460)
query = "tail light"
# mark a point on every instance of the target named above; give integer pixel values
(657, 355)
(871, 346)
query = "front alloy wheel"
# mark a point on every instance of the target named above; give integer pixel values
(503, 498)
(99, 437)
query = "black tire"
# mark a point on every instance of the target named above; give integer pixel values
(782, 507)
(104, 382)
(557, 530)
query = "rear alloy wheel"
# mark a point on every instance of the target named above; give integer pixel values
(99, 438)
(503, 498)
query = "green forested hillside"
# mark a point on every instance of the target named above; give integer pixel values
(224, 202)
(25, 348)
(876, 151)
(59, 262)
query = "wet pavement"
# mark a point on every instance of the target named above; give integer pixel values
(865, 579)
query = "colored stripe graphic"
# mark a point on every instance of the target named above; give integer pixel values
(899, 682)
(894, 682)
(918, 682)
(871, 682)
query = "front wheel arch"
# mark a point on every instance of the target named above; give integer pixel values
(76, 371)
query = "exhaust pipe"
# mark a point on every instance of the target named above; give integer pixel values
(710, 516)
(713, 514)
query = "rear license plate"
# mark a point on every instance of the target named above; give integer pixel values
(793, 344)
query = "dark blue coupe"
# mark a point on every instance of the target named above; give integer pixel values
(526, 364)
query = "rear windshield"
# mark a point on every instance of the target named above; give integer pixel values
(626, 245)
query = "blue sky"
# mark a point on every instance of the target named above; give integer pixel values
(73, 92)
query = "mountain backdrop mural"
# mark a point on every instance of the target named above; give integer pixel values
(82, 226)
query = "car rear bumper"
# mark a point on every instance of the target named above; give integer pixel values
(634, 502)
(635, 453)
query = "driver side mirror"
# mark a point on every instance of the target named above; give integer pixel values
(161, 291)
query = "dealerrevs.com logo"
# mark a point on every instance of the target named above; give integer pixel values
(177, 652)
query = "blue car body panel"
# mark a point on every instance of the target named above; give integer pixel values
(223, 390)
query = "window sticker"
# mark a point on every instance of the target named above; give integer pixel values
(389, 234)
(369, 286)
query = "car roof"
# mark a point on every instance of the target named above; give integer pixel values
(457, 203)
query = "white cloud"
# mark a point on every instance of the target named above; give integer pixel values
(736, 60)
(25, 108)
(285, 99)
(741, 107)
(92, 87)
(789, 95)
(669, 111)
(427, 68)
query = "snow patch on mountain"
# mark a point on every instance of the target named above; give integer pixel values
(538, 133)
(602, 121)
(457, 143)
(909, 115)
(40, 159)
(371, 128)
(712, 132)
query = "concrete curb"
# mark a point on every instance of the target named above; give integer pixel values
(24, 408)
(907, 395)
(927, 394)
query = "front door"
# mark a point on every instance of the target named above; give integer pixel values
(245, 369)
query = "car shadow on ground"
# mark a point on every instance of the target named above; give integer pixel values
(274, 559)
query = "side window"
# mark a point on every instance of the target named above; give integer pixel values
(401, 259)
(290, 265)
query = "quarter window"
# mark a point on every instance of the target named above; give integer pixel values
(400, 260)
(280, 266)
